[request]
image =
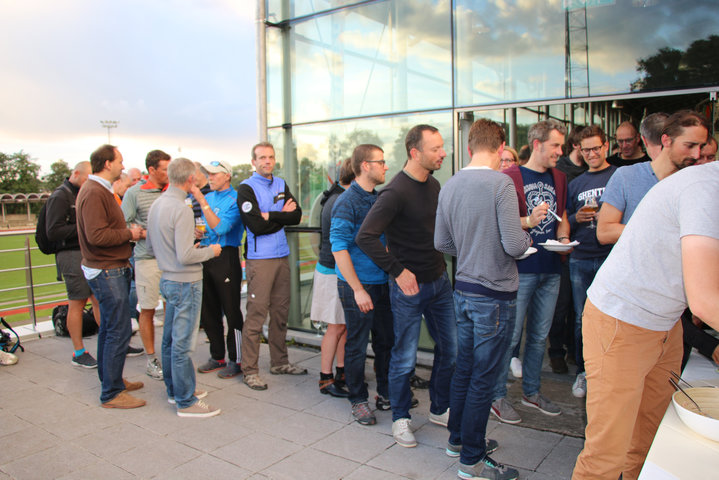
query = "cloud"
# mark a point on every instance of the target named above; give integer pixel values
(180, 69)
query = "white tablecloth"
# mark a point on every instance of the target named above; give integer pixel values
(677, 452)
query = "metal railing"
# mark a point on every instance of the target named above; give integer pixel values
(33, 301)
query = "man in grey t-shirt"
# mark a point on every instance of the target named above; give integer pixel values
(667, 258)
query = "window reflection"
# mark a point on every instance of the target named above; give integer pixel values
(390, 56)
(515, 50)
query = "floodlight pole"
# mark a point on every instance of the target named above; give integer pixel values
(109, 124)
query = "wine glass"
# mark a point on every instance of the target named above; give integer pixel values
(318, 325)
(591, 204)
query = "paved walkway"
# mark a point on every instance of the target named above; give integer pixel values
(51, 426)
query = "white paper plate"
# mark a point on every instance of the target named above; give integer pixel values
(529, 251)
(559, 247)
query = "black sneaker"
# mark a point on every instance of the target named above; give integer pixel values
(134, 351)
(211, 365)
(382, 403)
(416, 381)
(85, 361)
(455, 450)
(487, 469)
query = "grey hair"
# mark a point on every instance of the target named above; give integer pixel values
(652, 126)
(540, 131)
(180, 170)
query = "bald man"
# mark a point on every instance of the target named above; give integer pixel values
(61, 228)
(135, 176)
(630, 149)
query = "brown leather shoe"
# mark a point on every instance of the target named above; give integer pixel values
(124, 400)
(132, 386)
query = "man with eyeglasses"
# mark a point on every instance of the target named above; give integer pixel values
(708, 152)
(266, 207)
(629, 184)
(222, 275)
(419, 285)
(361, 284)
(630, 149)
(588, 256)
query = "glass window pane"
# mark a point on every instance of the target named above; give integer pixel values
(274, 76)
(517, 50)
(384, 57)
(278, 10)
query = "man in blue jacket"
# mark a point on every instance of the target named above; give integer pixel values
(221, 276)
(266, 206)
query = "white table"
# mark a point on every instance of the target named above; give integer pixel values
(677, 452)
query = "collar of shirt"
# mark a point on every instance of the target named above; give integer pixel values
(101, 181)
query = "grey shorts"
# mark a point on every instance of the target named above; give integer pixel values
(68, 269)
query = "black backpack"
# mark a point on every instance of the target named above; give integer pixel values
(59, 321)
(6, 342)
(45, 245)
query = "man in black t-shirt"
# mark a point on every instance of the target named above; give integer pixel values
(630, 149)
(419, 285)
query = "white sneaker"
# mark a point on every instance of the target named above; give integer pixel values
(516, 366)
(440, 418)
(402, 433)
(579, 389)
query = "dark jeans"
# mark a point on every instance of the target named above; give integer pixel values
(562, 331)
(484, 330)
(221, 285)
(112, 290)
(582, 273)
(378, 321)
(434, 302)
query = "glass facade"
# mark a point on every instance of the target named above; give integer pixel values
(341, 73)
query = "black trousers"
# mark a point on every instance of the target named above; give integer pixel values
(562, 331)
(222, 293)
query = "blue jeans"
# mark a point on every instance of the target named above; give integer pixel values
(536, 299)
(359, 325)
(112, 288)
(435, 302)
(484, 329)
(182, 319)
(581, 273)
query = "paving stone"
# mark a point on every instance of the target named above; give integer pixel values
(205, 466)
(420, 462)
(322, 465)
(523, 447)
(356, 442)
(99, 469)
(50, 463)
(25, 442)
(148, 460)
(370, 473)
(302, 428)
(257, 451)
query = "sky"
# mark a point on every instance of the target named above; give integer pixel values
(178, 75)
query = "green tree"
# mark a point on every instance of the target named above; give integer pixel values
(670, 67)
(241, 173)
(19, 173)
(60, 170)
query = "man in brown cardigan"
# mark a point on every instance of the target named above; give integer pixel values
(105, 246)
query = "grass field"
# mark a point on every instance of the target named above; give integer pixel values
(16, 299)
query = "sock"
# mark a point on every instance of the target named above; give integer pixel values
(79, 352)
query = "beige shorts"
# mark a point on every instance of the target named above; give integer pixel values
(147, 283)
(326, 305)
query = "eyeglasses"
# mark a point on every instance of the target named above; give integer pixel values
(381, 162)
(587, 151)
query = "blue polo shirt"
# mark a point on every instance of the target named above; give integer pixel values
(228, 233)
